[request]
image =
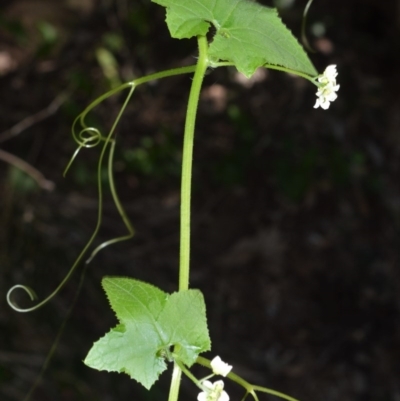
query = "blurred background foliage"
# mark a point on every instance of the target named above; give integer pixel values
(296, 211)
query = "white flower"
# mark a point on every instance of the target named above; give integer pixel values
(327, 87)
(219, 367)
(213, 391)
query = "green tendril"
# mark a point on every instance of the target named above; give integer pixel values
(303, 28)
(114, 194)
(89, 137)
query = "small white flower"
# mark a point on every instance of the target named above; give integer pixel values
(327, 87)
(219, 367)
(213, 391)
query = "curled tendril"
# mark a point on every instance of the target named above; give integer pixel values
(29, 291)
(88, 137)
(303, 28)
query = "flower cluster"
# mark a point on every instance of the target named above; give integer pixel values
(215, 391)
(327, 87)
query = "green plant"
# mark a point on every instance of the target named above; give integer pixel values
(155, 327)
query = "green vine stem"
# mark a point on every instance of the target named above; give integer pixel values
(187, 161)
(186, 185)
(175, 383)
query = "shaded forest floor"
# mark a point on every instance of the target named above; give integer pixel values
(296, 211)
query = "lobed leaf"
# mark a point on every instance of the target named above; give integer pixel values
(152, 322)
(246, 33)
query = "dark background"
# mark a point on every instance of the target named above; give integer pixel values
(296, 211)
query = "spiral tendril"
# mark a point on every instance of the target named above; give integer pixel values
(89, 137)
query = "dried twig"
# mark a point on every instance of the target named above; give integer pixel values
(28, 169)
(35, 118)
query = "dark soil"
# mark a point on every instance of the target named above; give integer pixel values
(296, 211)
